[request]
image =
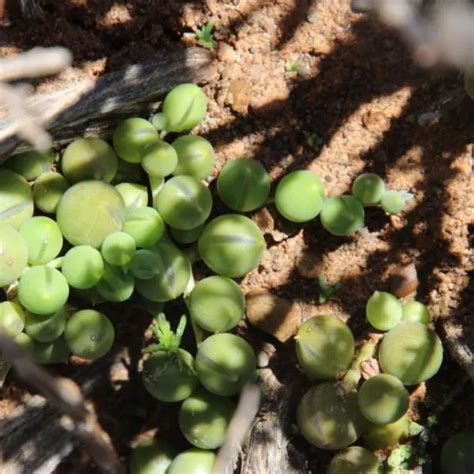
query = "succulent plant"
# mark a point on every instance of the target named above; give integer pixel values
(134, 195)
(159, 159)
(355, 460)
(83, 267)
(145, 225)
(216, 304)
(12, 318)
(186, 236)
(195, 156)
(118, 248)
(43, 239)
(231, 245)
(324, 347)
(43, 290)
(116, 284)
(193, 461)
(89, 158)
(225, 363)
(89, 211)
(152, 456)
(328, 420)
(383, 311)
(204, 418)
(368, 188)
(89, 334)
(132, 136)
(383, 399)
(184, 107)
(457, 455)
(46, 328)
(16, 199)
(342, 215)
(243, 185)
(48, 190)
(415, 311)
(184, 202)
(411, 352)
(299, 196)
(14, 254)
(30, 164)
(393, 202)
(54, 352)
(172, 275)
(384, 436)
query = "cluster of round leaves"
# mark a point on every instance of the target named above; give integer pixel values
(331, 417)
(300, 197)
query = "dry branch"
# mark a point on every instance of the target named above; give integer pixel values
(93, 107)
(444, 36)
(46, 430)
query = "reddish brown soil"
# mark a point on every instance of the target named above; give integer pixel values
(357, 103)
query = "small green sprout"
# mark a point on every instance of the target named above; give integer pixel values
(327, 292)
(205, 36)
(293, 67)
(169, 374)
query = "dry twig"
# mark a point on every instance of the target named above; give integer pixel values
(66, 396)
(34, 63)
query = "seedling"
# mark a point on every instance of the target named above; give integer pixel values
(54, 352)
(12, 318)
(411, 352)
(89, 158)
(383, 311)
(205, 36)
(299, 196)
(89, 334)
(384, 436)
(327, 420)
(342, 215)
(152, 456)
(204, 418)
(327, 291)
(354, 460)
(184, 202)
(324, 347)
(186, 236)
(393, 202)
(193, 461)
(293, 67)
(243, 185)
(89, 211)
(145, 264)
(169, 374)
(216, 304)
(231, 245)
(195, 156)
(225, 363)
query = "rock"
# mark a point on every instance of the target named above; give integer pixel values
(227, 53)
(239, 95)
(404, 281)
(272, 314)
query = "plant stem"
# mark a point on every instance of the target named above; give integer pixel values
(353, 375)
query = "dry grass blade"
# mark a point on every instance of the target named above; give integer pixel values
(66, 396)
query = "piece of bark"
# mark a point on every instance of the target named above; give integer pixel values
(93, 107)
(267, 446)
(273, 314)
